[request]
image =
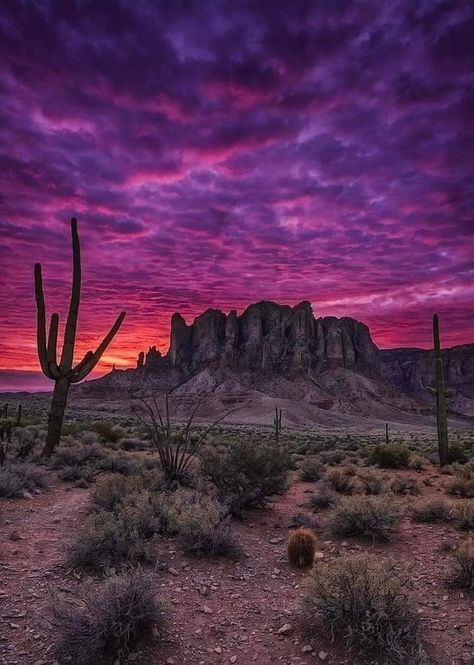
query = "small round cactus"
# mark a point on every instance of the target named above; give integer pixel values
(301, 545)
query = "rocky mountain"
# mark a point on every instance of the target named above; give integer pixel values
(411, 370)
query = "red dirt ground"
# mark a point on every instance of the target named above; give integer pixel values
(220, 611)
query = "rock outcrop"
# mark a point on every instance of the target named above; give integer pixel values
(411, 370)
(270, 338)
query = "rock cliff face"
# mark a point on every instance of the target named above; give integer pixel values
(411, 370)
(271, 338)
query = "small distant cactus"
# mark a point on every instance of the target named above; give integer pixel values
(277, 425)
(301, 546)
(141, 359)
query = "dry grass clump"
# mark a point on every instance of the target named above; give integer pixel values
(16, 478)
(365, 516)
(111, 490)
(116, 615)
(465, 514)
(463, 573)
(301, 547)
(372, 483)
(340, 481)
(405, 486)
(245, 474)
(362, 602)
(311, 469)
(463, 484)
(432, 510)
(322, 499)
(200, 524)
(390, 456)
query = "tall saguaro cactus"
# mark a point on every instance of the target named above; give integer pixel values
(441, 394)
(277, 426)
(63, 373)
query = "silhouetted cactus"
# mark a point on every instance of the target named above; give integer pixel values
(63, 373)
(141, 359)
(277, 426)
(18, 417)
(441, 394)
(387, 439)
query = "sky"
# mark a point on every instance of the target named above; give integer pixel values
(218, 153)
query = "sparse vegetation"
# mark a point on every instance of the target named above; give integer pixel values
(18, 478)
(463, 574)
(363, 602)
(322, 499)
(465, 514)
(115, 615)
(365, 516)
(311, 469)
(391, 456)
(404, 486)
(463, 484)
(432, 510)
(301, 547)
(372, 482)
(340, 481)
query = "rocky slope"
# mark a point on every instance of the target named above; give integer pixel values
(411, 370)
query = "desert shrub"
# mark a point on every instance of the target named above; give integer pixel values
(362, 602)
(332, 457)
(107, 432)
(16, 478)
(371, 482)
(311, 469)
(200, 523)
(463, 572)
(115, 539)
(116, 615)
(463, 484)
(301, 546)
(111, 490)
(432, 510)
(75, 472)
(390, 456)
(365, 516)
(417, 462)
(77, 454)
(120, 463)
(134, 443)
(244, 473)
(457, 453)
(465, 515)
(322, 499)
(340, 482)
(404, 486)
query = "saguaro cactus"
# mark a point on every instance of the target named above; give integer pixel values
(63, 373)
(277, 425)
(441, 394)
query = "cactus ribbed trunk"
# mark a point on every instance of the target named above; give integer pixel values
(56, 415)
(441, 416)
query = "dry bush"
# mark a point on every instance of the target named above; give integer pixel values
(116, 615)
(372, 482)
(244, 473)
(115, 539)
(311, 469)
(365, 516)
(463, 484)
(362, 602)
(465, 514)
(301, 547)
(340, 482)
(390, 456)
(417, 462)
(200, 524)
(111, 490)
(16, 478)
(432, 510)
(106, 431)
(77, 454)
(404, 486)
(332, 457)
(463, 573)
(322, 499)
(457, 453)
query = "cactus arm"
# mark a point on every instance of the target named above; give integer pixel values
(88, 365)
(41, 323)
(71, 323)
(52, 346)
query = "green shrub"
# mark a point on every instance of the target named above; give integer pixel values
(107, 432)
(390, 456)
(457, 453)
(465, 514)
(77, 454)
(463, 484)
(432, 510)
(405, 486)
(340, 481)
(332, 457)
(417, 462)
(200, 524)
(16, 478)
(244, 473)
(111, 490)
(311, 469)
(322, 499)
(365, 516)
(463, 573)
(362, 602)
(116, 615)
